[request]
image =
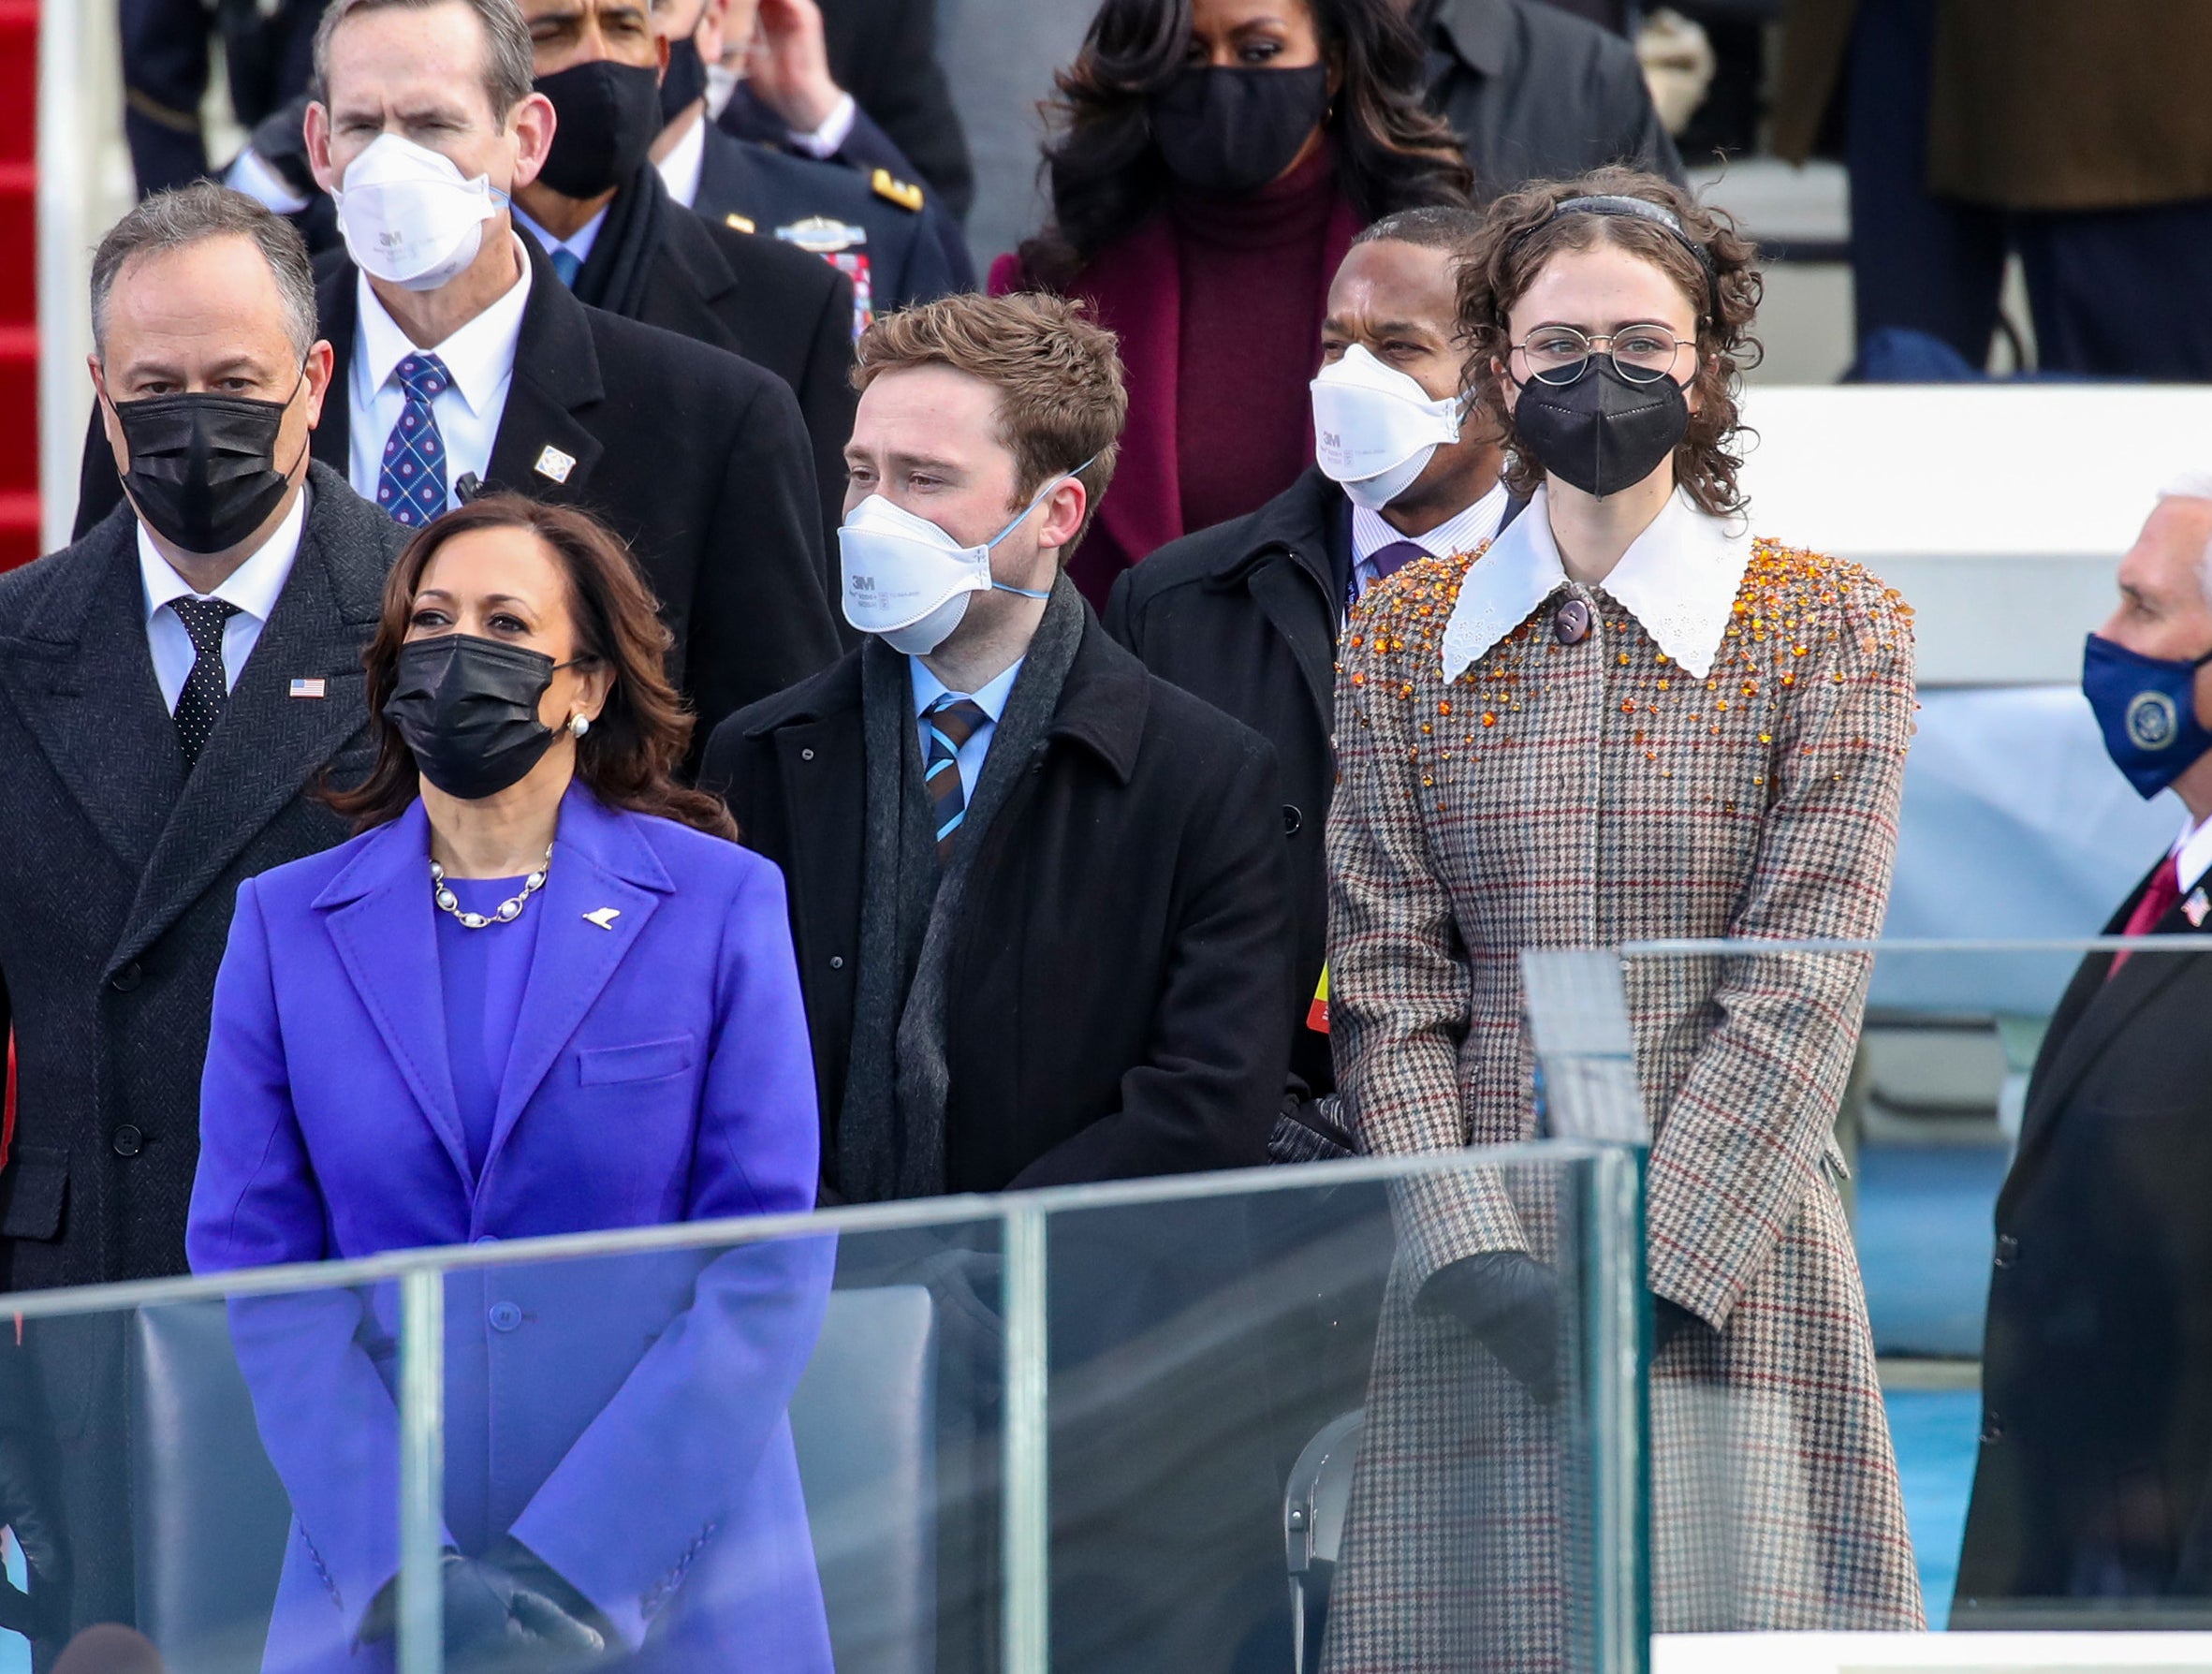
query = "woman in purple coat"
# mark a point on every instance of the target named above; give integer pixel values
(541, 993)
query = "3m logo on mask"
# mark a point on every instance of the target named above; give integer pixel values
(2152, 721)
(863, 584)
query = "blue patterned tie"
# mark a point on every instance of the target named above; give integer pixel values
(953, 722)
(411, 483)
(567, 265)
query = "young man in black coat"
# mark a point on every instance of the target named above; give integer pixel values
(696, 458)
(1108, 849)
(2093, 1489)
(620, 242)
(173, 689)
(1246, 614)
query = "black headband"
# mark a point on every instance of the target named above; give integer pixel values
(1639, 208)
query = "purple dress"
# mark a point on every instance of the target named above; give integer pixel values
(482, 974)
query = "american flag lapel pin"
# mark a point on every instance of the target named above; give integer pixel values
(2195, 908)
(307, 688)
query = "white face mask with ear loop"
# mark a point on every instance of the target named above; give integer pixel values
(408, 216)
(909, 583)
(1375, 429)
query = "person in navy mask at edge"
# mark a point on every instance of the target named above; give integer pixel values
(2094, 1480)
(465, 363)
(895, 247)
(1246, 614)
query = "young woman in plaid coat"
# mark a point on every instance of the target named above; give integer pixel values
(1625, 718)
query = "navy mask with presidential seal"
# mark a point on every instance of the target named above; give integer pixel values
(2148, 710)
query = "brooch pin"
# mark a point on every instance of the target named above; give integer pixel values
(603, 917)
(553, 462)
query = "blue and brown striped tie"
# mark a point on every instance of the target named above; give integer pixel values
(953, 722)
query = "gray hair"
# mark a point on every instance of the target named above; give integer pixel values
(185, 215)
(507, 73)
(2194, 485)
(1432, 225)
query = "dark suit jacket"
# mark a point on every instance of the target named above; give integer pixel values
(913, 255)
(2097, 1368)
(1134, 882)
(695, 458)
(1536, 93)
(884, 52)
(118, 871)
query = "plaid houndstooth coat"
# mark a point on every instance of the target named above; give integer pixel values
(1720, 755)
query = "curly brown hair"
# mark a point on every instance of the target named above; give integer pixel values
(1522, 233)
(629, 757)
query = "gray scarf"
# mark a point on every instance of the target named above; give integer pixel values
(890, 1131)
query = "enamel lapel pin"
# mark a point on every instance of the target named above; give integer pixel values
(555, 464)
(307, 688)
(603, 917)
(2195, 908)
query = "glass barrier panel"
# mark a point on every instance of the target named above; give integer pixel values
(197, 1468)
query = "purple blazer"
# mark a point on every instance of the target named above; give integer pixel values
(623, 1418)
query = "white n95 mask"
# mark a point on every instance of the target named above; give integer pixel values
(909, 583)
(1375, 429)
(409, 217)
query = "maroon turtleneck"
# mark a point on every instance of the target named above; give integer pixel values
(1255, 278)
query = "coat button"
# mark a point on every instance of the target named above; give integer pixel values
(2008, 1250)
(807, 755)
(1992, 1429)
(506, 1316)
(126, 978)
(1292, 819)
(484, 1238)
(1570, 625)
(128, 1141)
(837, 962)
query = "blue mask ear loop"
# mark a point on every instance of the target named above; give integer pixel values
(1037, 500)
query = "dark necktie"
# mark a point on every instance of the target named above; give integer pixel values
(199, 705)
(2157, 901)
(953, 722)
(411, 481)
(1388, 561)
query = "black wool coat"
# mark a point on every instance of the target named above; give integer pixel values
(2096, 1455)
(1536, 93)
(1245, 615)
(696, 458)
(1118, 990)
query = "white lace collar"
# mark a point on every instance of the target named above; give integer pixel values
(1679, 579)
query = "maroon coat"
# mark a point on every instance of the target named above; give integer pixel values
(1134, 287)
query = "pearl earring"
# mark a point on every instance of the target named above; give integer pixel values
(579, 724)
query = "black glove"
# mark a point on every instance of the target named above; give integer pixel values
(1511, 1301)
(1668, 1320)
(30, 1507)
(507, 1611)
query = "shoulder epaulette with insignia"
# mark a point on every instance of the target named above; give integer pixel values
(906, 195)
(738, 223)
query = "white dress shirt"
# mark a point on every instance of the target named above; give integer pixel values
(991, 699)
(1679, 579)
(253, 587)
(2192, 852)
(1461, 533)
(680, 169)
(837, 127)
(577, 243)
(481, 358)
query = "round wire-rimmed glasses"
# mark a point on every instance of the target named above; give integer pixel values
(1642, 354)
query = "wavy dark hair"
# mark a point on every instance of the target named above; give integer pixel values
(1521, 234)
(628, 758)
(1106, 176)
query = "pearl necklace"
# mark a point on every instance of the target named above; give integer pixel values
(507, 911)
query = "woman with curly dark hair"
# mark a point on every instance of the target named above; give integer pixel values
(1212, 161)
(1623, 720)
(542, 991)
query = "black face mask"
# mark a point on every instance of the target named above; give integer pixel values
(203, 470)
(1602, 433)
(467, 709)
(1231, 131)
(607, 116)
(684, 80)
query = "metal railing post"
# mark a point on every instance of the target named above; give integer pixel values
(423, 1470)
(1025, 1526)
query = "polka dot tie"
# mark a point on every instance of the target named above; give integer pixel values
(411, 483)
(199, 705)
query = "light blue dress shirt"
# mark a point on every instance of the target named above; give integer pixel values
(927, 689)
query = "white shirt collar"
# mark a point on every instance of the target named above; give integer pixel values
(480, 355)
(253, 586)
(1679, 579)
(579, 243)
(2192, 852)
(1463, 532)
(991, 698)
(680, 169)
